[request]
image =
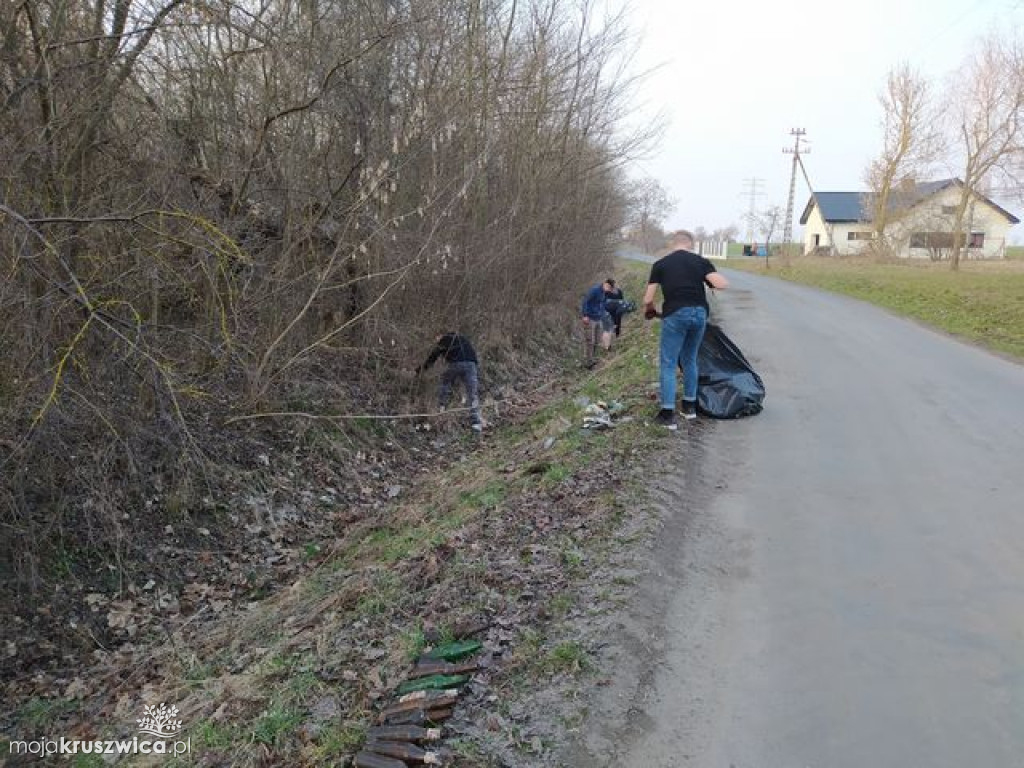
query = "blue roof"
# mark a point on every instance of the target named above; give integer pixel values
(837, 206)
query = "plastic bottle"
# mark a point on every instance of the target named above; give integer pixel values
(372, 760)
(403, 733)
(403, 750)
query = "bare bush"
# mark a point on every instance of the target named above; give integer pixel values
(211, 206)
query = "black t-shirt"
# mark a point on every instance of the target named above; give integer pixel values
(681, 277)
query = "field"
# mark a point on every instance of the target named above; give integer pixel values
(983, 302)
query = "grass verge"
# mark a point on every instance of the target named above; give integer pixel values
(982, 302)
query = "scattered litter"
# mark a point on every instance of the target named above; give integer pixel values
(426, 699)
(600, 415)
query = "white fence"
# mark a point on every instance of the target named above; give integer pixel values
(713, 249)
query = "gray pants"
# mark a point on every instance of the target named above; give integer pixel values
(466, 372)
(592, 333)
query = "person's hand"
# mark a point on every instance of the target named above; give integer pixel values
(650, 312)
(586, 321)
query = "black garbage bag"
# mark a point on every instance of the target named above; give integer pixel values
(727, 387)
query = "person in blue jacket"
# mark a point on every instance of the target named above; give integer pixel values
(597, 322)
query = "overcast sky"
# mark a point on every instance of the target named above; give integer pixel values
(733, 77)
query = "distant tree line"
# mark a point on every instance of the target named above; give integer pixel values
(648, 205)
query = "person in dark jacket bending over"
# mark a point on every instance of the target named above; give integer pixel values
(615, 302)
(682, 276)
(462, 365)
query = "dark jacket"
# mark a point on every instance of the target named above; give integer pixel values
(454, 348)
(615, 302)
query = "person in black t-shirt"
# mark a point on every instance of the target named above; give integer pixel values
(462, 366)
(682, 276)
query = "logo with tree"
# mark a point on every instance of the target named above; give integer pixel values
(160, 721)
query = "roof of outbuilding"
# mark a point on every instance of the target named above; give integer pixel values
(838, 207)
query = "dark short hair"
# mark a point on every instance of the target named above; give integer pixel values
(610, 281)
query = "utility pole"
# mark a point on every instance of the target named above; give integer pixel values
(752, 187)
(798, 136)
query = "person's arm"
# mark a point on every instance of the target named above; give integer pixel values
(652, 289)
(716, 280)
(436, 352)
(649, 294)
(712, 277)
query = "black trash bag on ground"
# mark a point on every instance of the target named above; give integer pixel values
(727, 387)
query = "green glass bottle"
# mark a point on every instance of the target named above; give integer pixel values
(436, 682)
(455, 651)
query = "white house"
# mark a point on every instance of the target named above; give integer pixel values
(920, 226)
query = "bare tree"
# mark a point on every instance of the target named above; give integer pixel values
(767, 223)
(911, 142)
(649, 204)
(726, 234)
(221, 206)
(986, 106)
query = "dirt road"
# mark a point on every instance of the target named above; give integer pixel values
(839, 581)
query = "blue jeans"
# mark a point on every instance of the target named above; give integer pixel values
(681, 334)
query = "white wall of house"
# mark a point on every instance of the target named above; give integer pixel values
(989, 227)
(815, 230)
(851, 237)
(987, 224)
(816, 234)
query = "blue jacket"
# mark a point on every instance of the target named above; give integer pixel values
(594, 303)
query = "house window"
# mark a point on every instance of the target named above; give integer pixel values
(977, 240)
(931, 240)
(949, 210)
(858, 235)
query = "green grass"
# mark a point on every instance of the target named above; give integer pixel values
(556, 473)
(413, 642)
(569, 658)
(982, 302)
(338, 741)
(488, 497)
(209, 735)
(276, 724)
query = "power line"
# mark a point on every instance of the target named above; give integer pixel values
(752, 187)
(934, 37)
